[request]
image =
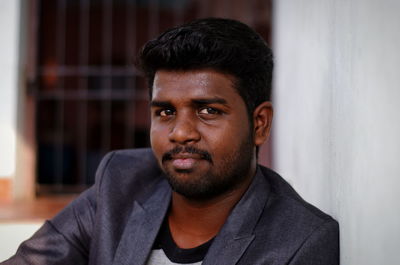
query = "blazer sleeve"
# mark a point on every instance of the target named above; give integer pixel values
(65, 239)
(321, 247)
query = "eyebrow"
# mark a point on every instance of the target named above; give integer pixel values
(200, 101)
(161, 104)
(205, 101)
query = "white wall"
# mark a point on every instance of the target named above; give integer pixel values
(337, 123)
(15, 233)
(9, 46)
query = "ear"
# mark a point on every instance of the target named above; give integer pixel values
(262, 119)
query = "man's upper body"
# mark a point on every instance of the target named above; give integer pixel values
(117, 221)
(200, 187)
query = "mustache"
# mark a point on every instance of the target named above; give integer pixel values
(187, 149)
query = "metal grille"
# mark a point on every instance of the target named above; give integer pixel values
(90, 98)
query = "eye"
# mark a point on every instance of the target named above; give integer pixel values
(165, 112)
(209, 111)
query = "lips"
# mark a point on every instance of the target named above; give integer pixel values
(186, 158)
(185, 161)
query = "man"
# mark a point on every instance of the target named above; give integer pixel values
(198, 197)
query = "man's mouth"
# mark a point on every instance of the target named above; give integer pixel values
(184, 158)
(184, 163)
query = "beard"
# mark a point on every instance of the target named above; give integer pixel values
(222, 177)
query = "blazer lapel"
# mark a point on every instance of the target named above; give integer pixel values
(238, 231)
(227, 250)
(142, 228)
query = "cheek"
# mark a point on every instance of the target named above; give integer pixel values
(226, 138)
(235, 130)
(157, 135)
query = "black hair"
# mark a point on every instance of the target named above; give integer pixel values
(225, 45)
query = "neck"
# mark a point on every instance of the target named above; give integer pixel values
(194, 222)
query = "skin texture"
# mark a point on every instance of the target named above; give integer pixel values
(202, 139)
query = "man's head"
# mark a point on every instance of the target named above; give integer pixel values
(210, 85)
(224, 45)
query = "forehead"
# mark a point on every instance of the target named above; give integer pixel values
(193, 83)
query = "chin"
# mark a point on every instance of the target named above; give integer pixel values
(199, 187)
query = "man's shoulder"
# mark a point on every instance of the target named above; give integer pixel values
(282, 193)
(296, 218)
(131, 172)
(129, 161)
(288, 223)
(130, 158)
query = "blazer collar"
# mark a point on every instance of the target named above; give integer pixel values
(238, 231)
(143, 226)
(227, 248)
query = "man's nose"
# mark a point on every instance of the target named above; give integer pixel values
(184, 130)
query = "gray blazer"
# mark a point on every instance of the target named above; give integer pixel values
(117, 220)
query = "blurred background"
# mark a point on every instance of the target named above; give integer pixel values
(87, 97)
(70, 92)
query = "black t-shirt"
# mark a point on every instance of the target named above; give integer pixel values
(165, 242)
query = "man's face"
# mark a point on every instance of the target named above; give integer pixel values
(200, 132)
